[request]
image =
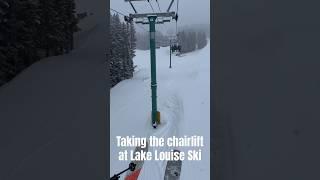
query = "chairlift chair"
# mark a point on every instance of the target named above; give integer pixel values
(176, 48)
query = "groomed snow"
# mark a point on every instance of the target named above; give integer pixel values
(183, 101)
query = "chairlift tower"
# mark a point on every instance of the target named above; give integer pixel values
(152, 19)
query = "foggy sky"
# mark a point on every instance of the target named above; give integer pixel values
(190, 11)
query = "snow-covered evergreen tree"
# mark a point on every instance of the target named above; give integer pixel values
(126, 51)
(116, 61)
(201, 40)
(112, 53)
(33, 29)
(49, 27)
(122, 50)
(133, 46)
(6, 68)
(58, 23)
(182, 40)
(133, 40)
(119, 39)
(192, 40)
(70, 24)
(18, 20)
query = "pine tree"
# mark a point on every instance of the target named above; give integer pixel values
(182, 40)
(132, 47)
(193, 43)
(29, 26)
(122, 50)
(48, 32)
(19, 20)
(6, 68)
(125, 52)
(64, 23)
(111, 53)
(114, 65)
(116, 53)
(60, 24)
(202, 40)
(190, 41)
(71, 24)
(133, 40)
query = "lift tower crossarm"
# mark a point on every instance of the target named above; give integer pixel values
(168, 10)
(145, 15)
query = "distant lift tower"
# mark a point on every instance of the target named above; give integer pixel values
(152, 19)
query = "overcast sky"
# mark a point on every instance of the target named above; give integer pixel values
(190, 11)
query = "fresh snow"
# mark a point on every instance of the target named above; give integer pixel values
(184, 104)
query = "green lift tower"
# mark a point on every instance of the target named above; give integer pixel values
(152, 19)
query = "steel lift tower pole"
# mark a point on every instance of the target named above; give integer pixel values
(152, 19)
(152, 26)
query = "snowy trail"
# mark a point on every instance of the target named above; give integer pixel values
(183, 101)
(170, 121)
(171, 113)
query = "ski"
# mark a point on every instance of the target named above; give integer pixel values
(133, 175)
(173, 169)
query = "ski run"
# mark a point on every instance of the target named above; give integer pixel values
(184, 104)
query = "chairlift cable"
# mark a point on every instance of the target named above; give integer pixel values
(158, 6)
(151, 5)
(117, 12)
(177, 19)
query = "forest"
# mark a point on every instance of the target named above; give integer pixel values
(192, 40)
(122, 50)
(31, 30)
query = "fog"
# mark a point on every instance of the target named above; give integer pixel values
(191, 12)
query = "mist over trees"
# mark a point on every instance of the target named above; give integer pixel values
(192, 40)
(122, 50)
(201, 40)
(31, 30)
(189, 39)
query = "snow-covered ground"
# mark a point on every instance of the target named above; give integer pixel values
(183, 101)
(53, 115)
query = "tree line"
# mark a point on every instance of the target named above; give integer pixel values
(122, 50)
(192, 40)
(31, 30)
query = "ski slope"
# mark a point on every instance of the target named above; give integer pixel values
(183, 101)
(53, 115)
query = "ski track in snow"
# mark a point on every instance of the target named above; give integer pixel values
(183, 102)
(170, 119)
